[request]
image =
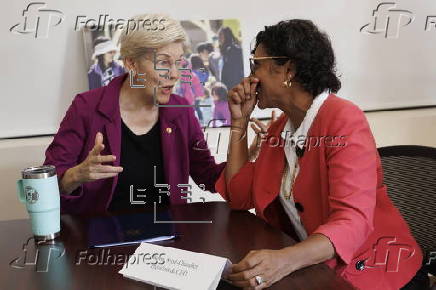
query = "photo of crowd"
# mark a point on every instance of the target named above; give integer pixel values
(213, 64)
(101, 54)
(215, 58)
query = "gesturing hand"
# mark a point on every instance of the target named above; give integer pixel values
(92, 168)
(260, 129)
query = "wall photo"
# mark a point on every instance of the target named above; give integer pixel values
(213, 64)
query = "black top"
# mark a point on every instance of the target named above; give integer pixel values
(139, 155)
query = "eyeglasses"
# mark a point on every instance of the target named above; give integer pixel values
(164, 62)
(167, 63)
(164, 65)
(254, 64)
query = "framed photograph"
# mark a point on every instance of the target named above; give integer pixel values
(214, 64)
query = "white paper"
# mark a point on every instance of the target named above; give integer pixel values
(175, 269)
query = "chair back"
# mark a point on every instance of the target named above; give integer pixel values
(410, 177)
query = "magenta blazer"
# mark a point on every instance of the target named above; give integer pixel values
(184, 149)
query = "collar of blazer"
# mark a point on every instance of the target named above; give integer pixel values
(275, 155)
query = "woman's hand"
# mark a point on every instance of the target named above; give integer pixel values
(271, 265)
(242, 99)
(90, 169)
(260, 129)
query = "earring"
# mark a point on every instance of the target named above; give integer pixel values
(287, 83)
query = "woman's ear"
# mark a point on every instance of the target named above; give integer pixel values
(129, 64)
(289, 70)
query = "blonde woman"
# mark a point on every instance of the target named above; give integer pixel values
(116, 147)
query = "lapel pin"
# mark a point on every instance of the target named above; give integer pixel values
(169, 130)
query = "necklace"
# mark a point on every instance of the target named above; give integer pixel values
(289, 189)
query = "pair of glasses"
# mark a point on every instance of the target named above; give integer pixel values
(166, 63)
(163, 65)
(254, 61)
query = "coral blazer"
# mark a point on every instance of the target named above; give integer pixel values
(184, 150)
(339, 193)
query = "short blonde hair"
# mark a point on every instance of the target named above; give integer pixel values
(159, 31)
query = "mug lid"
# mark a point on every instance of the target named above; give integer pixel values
(39, 172)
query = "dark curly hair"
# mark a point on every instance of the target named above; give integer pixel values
(308, 49)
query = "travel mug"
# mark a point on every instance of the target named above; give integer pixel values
(39, 190)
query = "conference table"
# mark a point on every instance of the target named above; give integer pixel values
(209, 227)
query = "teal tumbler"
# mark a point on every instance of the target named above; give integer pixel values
(39, 190)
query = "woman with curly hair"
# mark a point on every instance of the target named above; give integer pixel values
(318, 176)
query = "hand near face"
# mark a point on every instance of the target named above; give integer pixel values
(242, 99)
(271, 265)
